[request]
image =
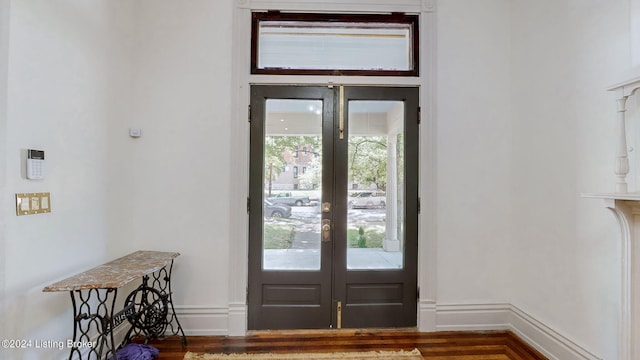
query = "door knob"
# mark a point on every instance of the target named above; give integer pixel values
(326, 229)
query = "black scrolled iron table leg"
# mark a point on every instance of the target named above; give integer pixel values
(150, 315)
(174, 317)
(92, 314)
(155, 316)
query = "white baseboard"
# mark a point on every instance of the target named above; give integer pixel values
(427, 316)
(237, 319)
(472, 317)
(504, 316)
(202, 320)
(549, 342)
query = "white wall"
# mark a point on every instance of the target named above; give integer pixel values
(523, 127)
(59, 91)
(474, 151)
(4, 60)
(635, 32)
(80, 74)
(565, 259)
(170, 187)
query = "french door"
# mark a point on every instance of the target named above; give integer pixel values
(333, 207)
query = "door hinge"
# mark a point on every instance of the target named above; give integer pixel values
(419, 115)
(249, 112)
(418, 293)
(248, 204)
(419, 205)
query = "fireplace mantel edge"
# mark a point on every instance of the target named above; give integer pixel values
(626, 209)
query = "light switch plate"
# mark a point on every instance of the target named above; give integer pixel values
(33, 203)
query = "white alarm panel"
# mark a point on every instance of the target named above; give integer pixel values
(35, 164)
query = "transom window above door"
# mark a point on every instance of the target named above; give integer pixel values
(334, 44)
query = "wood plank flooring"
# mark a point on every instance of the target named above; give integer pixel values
(499, 345)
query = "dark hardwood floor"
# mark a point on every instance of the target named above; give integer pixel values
(498, 345)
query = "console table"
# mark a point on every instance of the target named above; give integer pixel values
(149, 308)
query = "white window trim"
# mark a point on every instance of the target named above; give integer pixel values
(361, 6)
(241, 81)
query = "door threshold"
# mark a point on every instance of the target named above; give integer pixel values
(344, 331)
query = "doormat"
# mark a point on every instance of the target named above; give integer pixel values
(366, 355)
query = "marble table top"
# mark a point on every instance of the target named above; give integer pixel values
(116, 273)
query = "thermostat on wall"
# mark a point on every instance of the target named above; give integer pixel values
(35, 164)
(135, 132)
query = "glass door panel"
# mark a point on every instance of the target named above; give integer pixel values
(292, 184)
(375, 185)
(321, 44)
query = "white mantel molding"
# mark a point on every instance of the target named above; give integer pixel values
(626, 210)
(623, 89)
(614, 196)
(628, 86)
(625, 207)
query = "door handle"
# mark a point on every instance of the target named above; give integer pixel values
(326, 229)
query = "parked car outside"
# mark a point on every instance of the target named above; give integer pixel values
(288, 199)
(368, 199)
(276, 210)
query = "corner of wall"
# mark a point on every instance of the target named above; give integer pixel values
(548, 341)
(4, 202)
(504, 316)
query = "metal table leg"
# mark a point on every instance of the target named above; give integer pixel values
(93, 310)
(154, 315)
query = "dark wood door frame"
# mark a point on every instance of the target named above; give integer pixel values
(308, 299)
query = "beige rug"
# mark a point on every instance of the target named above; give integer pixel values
(367, 355)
